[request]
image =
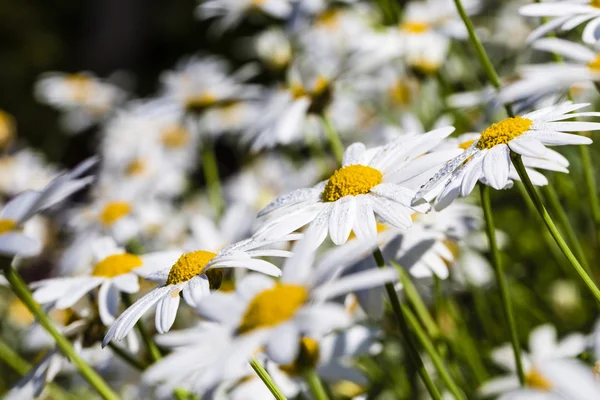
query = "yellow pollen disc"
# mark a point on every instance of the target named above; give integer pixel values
(136, 167)
(351, 180)
(297, 90)
(273, 306)
(80, 85)
(114, 211)
(308, 357)
(321, 84)
(328, 19)
(201, 101)
(189, 265)
(466, 145)
(503, 132)
(595, 63)
(117, 264)
(400, 93)
(425, 66)
(7, 225)
(7, 129)
(175, 137)
(534, 379)
(595, 3)
(415, 27)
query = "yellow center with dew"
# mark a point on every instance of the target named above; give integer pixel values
(415, 27)
(308, 357)
(188, 266)
(175, 137)
(114, 211)
(595, 63)
(273, 306)
(117, 264)
(535, 380)
(7, 225)
(351, 180)
(503, 132)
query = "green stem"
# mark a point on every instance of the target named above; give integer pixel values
(211, 175)
(315, 384)
(559, 212)
(535, 197)
(486, 204)
(413, 353)
(484, 60)
(266, 378)
(125, 356)
(146, 338)
(21, 290)
(433, 354)
(334, 139)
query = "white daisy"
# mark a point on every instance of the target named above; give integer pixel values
(488, 158)
(24, 170)
(566, 15)
(13, 241)
(229, 13)
(544, 348)
(274, 49)
(192, 275)
(370, 182)
(114, 271)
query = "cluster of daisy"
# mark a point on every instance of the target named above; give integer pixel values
(357, 131)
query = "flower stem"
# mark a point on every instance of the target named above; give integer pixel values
(486, 204)
(125, 356)
(211, 175)
(315, 384)
(433, 354)
(413, 353)
(484, 60)
(266, 378)
(21, 290)
(535, 197)
(334, 139)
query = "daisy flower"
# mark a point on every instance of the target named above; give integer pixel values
(566, 15)
(582, 65)
(544, 350)
(371, 181)
(14, 241)
(114, 271)
(263, 314)
(488, 158)
(192, 275)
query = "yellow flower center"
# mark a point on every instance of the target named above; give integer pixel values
(7, 129)
(80, 85)
(114, 211)
(503, 132)
(400, 93)
(189, 265)
(534, 379)
(466, 145)
(117, 264)
(415, 27)
(136, 167)
(273, 306)
(201, 101)
(328, 19)
(308, 357)
(595, 3)
(425, 66)
(7, 225)
(175, 137)
(595, 63)
(351, 180)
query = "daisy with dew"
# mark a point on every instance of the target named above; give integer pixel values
(489, 158)
(193, 275)
(541, 372)
(566, 15)
(112, 269)
(264, 314)
(581, 65)
(371, 181)
(13, 241)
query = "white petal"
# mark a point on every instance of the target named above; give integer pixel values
(221, 307)
(19, 207)
(341, 219)
(70, 298)
(317, 230)
(294, 197)
(353, 154)
(252, 284)
(108, 303)
(473, 171)
(552, 138)
(357, 281)
(249, 263)
(565, 48)
(527, 146)
(17, 244)
(496, 165)
(589, 33)
(195, 290)
(128, 283)
(166, 311)
(391, 212)
(569, 126)
(365, 226)
(284, 343)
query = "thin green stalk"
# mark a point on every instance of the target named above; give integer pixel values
(211, 175)
(486, 204)
(484, 60)
(266, 378)
(413, 353)
(315, 384)
(150, 345)
(433, 354)
(126, 356)
(535, 197)
(21, 290)
(559, 212)
(334, 139)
